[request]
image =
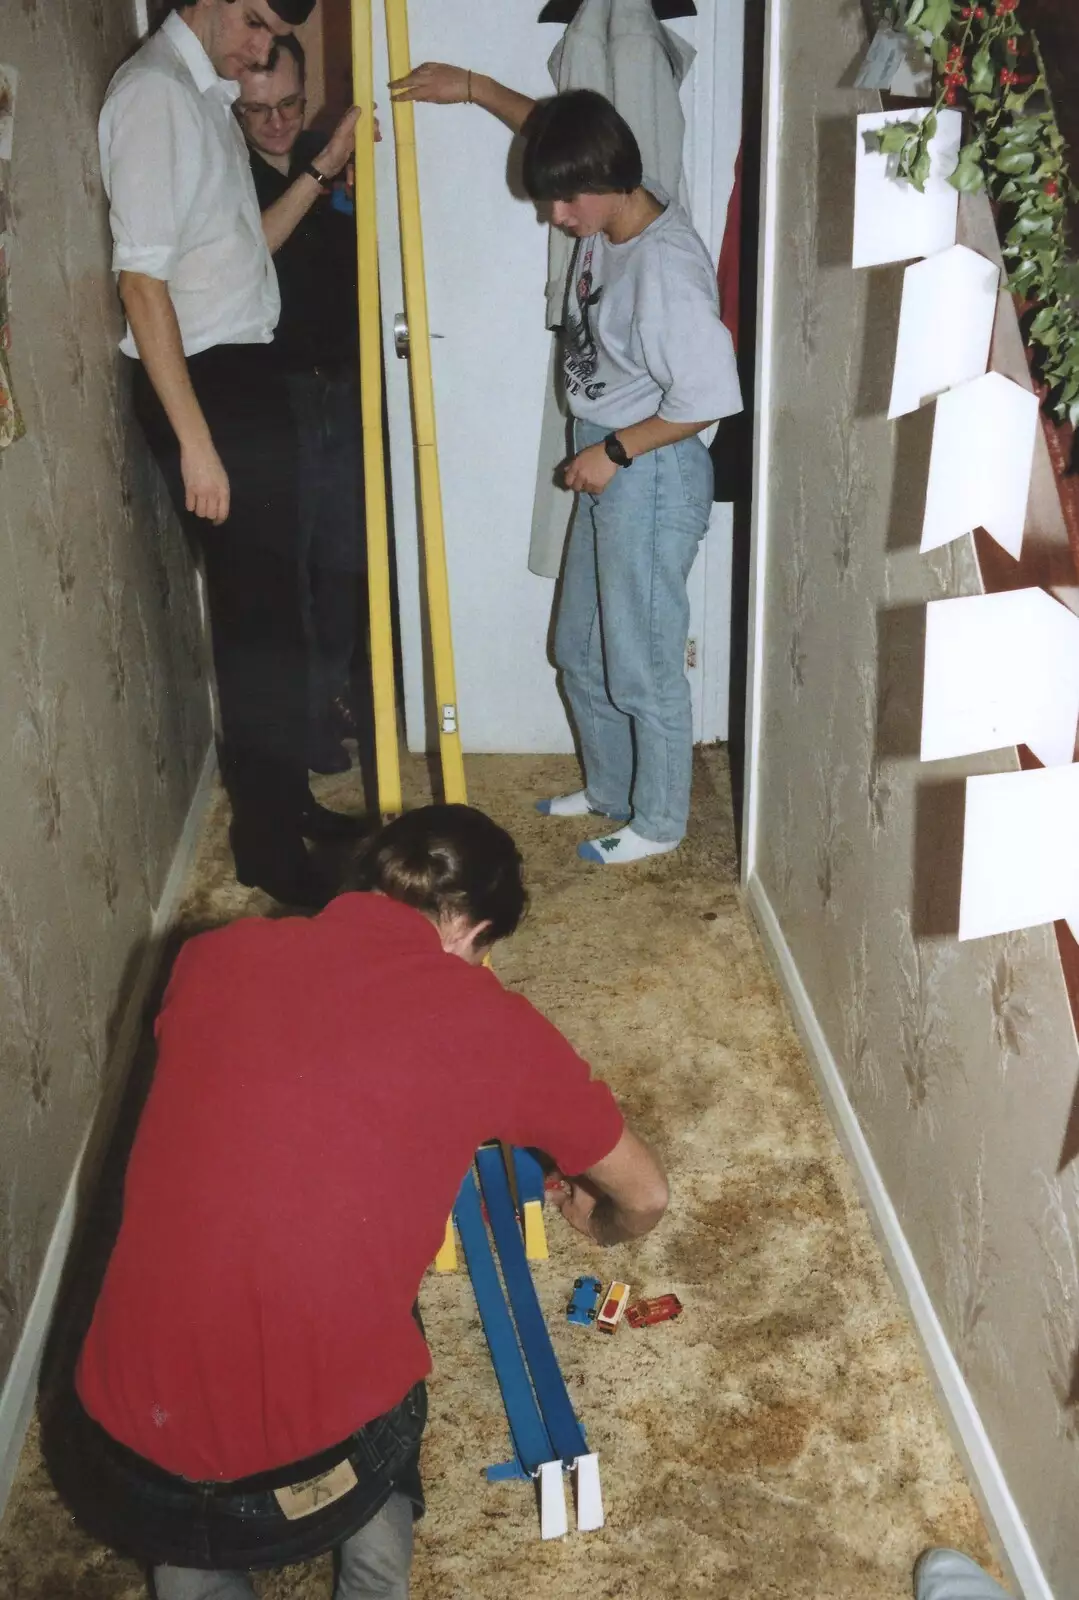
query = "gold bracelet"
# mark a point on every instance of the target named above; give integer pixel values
(468, 94)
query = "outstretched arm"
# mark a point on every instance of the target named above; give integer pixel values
(440, 84)
(621, 1197)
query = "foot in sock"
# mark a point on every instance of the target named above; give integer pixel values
(624, 845)
(576, 804)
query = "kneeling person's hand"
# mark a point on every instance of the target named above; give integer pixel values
(621, 1197)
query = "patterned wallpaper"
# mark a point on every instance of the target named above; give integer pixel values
(960, 1060)
(104, 717)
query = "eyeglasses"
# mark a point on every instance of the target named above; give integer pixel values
(291, 106)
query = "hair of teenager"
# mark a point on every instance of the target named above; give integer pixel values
(291, 11)
(289, 46)
(577, 143)
(448, 861)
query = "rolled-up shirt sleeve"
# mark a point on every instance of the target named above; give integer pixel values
(552, 1100)
(147, 131)
(686, 348)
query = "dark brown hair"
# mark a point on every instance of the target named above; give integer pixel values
(290, 46)
(577, 143)
(291, 11)
(448, 860)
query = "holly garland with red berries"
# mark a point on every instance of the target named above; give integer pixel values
(988, 65)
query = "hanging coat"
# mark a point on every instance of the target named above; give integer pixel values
(620, 49)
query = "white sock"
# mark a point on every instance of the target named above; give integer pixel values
(624, 845)
(576, 804)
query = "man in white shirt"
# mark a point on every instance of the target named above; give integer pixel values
(198, 285)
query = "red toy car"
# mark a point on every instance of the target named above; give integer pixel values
(643, 1313)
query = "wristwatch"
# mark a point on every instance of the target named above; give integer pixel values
(311, 171)
(616, 451)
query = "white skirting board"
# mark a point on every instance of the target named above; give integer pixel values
(978, 1454)
(20, 1388)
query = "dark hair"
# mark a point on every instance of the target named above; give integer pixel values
(291, 11)
(291, 46)
(576, 143)
(448, 861)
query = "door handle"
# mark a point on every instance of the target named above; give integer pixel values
(400, 335)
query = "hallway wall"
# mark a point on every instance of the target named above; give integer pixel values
(104, 717)
(958, 1059)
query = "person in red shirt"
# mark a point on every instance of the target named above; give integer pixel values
(251, 1389)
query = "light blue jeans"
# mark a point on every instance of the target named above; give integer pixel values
(372, 1565)
(620, 637)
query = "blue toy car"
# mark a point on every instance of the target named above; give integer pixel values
(582, 1308)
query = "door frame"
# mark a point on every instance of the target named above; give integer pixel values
(713, 136)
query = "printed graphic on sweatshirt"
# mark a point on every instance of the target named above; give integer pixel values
(582, 357)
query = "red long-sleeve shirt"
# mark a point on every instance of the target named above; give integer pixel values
(320, 1088)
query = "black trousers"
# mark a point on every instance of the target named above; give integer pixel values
(333, 550)
(252, 584)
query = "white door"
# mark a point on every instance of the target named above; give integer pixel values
(486, 257)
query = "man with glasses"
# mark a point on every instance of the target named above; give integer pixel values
(198, 286)
(317, 344)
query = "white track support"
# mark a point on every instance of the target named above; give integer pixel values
(553, 1520)
(589, 1494)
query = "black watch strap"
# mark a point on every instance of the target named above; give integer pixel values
(324, 183)
(616, 451)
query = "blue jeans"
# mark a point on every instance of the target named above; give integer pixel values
(220, 1529)
(620, 638)
(373, 1563)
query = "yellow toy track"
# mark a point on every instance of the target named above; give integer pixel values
(426, 444)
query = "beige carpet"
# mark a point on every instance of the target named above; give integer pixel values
(780, 1439)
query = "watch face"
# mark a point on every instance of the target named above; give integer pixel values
(616, 450)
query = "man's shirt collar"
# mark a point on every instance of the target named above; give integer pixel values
(185, 42)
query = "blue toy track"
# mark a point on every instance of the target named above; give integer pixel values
(531, 1441)
(556, 1408)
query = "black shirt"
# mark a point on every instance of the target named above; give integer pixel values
(316, 271)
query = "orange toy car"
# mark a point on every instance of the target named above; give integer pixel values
(610, 1312)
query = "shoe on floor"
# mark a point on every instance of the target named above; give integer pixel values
(343, 716)
(942, 1574)
(302, 886)
(328, 756)
(282, 869)
(321, 824)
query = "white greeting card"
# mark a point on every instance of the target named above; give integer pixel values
(981, 462)
(945, 326)
(892, 221)
(1020, 851)
(1001, 669)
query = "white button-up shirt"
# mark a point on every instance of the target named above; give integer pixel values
(182, 199)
